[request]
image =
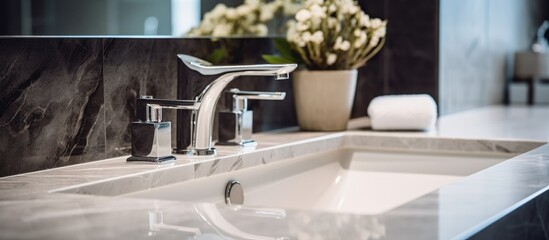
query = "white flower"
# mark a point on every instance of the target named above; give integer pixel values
(218, 10)
(261, 29)
(349, 7)
(354, 9)
(317, 37)
(277, 3)
(332, 8)
(290, 24)
(317, 14)
(303, 15)
(341, 44)
(252, 3)
(365, 20)
(312, 2)
(231, 14)
(291, 8)
(317, 11)
(337, 44)
(207, 26)
(334, 34)
(293, 36)
(333, 23)
(249, 19)
(221, 30)
(380, 32)
(332, 57)
(243, 20)
(374, 41)
(266, 16)
(361, 40)
(306, 37)
(267, 12)
(244, 10)
(345, 45)
(302, 26)
(376, 23)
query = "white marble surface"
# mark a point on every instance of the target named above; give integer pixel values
(30, 210)
(515, 122)
(518, 122)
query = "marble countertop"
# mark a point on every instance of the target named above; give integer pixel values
(32, 206)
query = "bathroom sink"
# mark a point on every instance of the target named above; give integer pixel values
(345, 180)
(351, 172)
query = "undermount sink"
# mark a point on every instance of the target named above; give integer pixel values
(352, 172)
(348, 180)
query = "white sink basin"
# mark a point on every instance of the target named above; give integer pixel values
(348, 180)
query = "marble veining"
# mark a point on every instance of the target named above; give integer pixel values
(221, 164)
(50, 85)
(436, 215)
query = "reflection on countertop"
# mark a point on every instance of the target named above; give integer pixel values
(29, 209)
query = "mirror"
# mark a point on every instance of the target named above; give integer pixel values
(172, 18)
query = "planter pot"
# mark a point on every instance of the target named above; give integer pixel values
(324, 99)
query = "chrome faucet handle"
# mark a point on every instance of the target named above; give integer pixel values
(240, 98)
(236, 124)
(149, 109)
(151, 138)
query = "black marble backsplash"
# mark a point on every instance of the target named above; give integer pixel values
(70, 100)
(51, 103)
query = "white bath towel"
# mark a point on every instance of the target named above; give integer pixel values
(403, 112)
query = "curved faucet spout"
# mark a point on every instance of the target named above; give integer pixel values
(206, 68)
(203, 117)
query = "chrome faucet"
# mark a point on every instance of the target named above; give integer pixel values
(151, 138)
(203, 116)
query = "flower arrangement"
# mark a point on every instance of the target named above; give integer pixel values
(249, 19)
(331, 35)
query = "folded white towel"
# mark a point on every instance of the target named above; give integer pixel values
(403, 112)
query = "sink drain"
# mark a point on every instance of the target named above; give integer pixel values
(234, 194)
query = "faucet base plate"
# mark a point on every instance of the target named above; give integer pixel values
(245, 143)
(151, 159)
(198, 152)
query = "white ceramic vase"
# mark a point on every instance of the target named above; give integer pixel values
(324, 99)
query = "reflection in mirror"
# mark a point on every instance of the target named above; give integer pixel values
(144, 17)
(251, 18)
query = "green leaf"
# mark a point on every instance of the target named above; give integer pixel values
(217, 55)
(283, 47)
(272, 59)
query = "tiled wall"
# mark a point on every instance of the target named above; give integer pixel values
(70, 100)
